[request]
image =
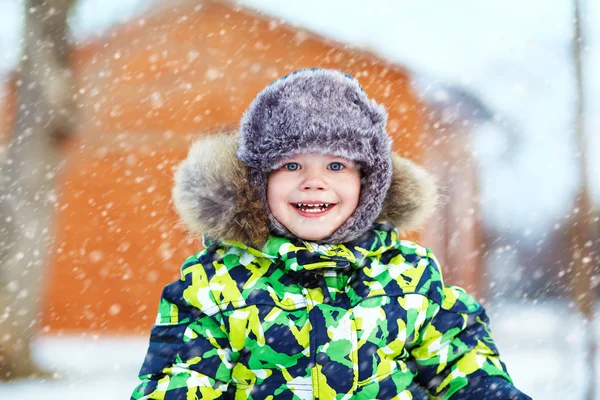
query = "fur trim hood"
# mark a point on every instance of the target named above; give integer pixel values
(213, 196)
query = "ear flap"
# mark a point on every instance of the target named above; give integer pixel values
(412, 197)
(212, 194)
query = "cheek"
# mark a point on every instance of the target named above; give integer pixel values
(271, 193)
(355, 200)
(354, 192)
(275, 192)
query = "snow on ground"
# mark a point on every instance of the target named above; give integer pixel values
(92, 368)
(541, 344)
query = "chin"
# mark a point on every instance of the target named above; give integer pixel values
(311, 237)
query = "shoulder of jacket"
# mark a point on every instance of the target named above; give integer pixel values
(416, 255)
(210, 258)
(419, 268)
(197, 272)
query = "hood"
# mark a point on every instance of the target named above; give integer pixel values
(212, 194)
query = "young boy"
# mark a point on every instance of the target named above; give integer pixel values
(304, 289)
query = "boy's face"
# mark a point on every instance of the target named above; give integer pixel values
(313, 194)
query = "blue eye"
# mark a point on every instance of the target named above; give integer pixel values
(292, 166)
(336, 166)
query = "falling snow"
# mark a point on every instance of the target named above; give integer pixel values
(520, 70)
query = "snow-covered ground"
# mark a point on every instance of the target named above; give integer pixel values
(90, 367)
(542, 345)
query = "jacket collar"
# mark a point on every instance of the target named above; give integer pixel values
(298, 256)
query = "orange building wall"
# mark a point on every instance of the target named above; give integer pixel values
(7, 111)
(147, 90)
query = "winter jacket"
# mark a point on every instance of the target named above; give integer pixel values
(288, 319)
(301, 321)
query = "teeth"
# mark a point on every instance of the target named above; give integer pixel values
(312, 207)
(314, 210)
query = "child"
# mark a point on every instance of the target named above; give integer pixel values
(304, 289)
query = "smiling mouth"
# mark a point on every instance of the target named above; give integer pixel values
(313, 208)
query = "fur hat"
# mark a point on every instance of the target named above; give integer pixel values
(325, 112)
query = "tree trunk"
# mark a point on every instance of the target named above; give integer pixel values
(584, 238)
(45, 118)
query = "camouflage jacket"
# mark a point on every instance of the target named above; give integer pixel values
(298, 320)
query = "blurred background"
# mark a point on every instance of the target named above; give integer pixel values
(101, 99)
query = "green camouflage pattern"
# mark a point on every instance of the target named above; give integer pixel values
(299, 320)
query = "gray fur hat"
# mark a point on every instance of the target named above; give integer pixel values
(325, 112)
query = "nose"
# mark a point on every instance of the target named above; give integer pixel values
(313, 181)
